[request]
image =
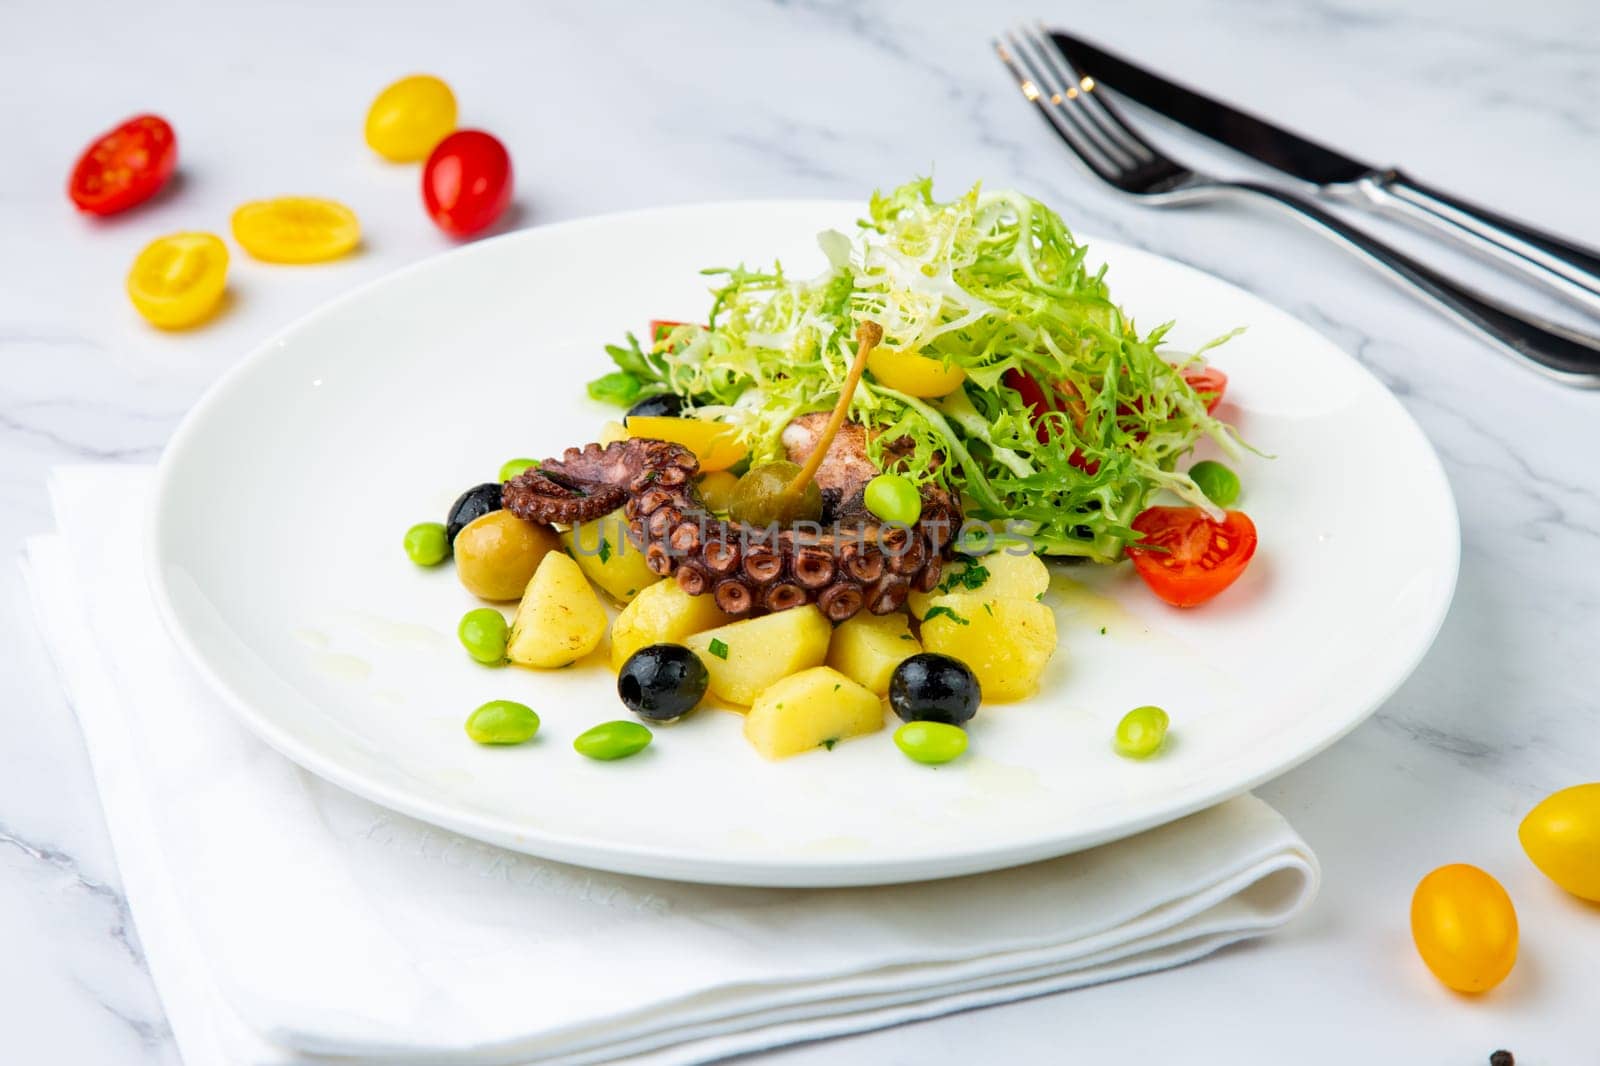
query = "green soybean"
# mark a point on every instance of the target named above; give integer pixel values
(502, 722)
(931, 743)
(893, 498)
(427, 544)
(612, 740)
(1141, 732)
(1220, 484)
(483, 634)
(515, 467)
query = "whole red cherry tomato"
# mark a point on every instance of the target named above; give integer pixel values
(125, 166)
(466, 183)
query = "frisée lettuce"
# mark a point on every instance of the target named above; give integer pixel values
(992, 283)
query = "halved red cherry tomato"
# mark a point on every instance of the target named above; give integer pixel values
(660, 327)
(1185, 557)
(1209, 382)
(125, 166)
(466, 183)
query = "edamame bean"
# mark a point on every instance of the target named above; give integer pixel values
(483, 634)
(1220, 484)
(427, 544)
(612, 740)
(515, 467)
(931, 743)
(502, 722)
(893, 498)
(1141, 732)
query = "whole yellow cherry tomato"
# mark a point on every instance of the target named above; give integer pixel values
(1562, 837)
(296, 229)
(1465, 927)
(410, 118)
(716, 444)
(178, 280)
(913, 374)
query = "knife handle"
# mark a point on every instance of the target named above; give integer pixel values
(1567, 269)
(1568, 356)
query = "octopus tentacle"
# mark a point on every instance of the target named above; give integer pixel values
(855, 565)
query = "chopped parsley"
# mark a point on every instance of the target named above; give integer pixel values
(935, 612)
(829, 743)
(971, 578)
(836, 688)
(605, 550)
(989, 608)
(717, 648)
(1102, 631)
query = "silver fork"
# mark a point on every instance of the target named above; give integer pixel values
(1112, 151)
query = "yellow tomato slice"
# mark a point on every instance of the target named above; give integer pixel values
(296, 229)
(177, 281)
(716, 445)
(409, 118)
(913, 374)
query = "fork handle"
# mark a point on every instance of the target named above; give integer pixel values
(1563, 354)
(1568, 270)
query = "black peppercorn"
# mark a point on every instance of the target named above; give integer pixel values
(1502, 1058)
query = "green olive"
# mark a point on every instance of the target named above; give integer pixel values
(498, 552)
(612, 740)
(1141, 732)
(716, 490)
(762, 497)
(894, 498)
(483, 634)
(931, 743)
(514, 467)
(502, 722)
(427, 544)
(1220, 484)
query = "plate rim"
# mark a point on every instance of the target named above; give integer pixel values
(665, 862)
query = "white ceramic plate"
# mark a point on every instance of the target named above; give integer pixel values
(276, 556)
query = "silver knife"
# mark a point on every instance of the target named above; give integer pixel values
(1565, 268)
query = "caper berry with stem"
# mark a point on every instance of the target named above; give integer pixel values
(426, 544)
(502, 722)
(894, 498)
(762, 497)
(1220, 484)
(1141, 732)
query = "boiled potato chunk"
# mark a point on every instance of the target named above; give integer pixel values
(808, 710)
(1006, 642)
(610, 559)
(867, 647)
(560, 619)
(661, 614)
(998, 575)
(744, 658)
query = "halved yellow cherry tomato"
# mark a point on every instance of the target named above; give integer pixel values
(1562, 837)
(913, 374)
(409, 118)
(717, 445)
(296, 229)
(1465, 927)
(178, 280)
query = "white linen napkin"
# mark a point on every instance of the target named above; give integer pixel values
(287, 921)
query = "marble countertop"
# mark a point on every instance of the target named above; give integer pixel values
(609, 106)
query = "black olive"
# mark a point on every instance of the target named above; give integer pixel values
(474, 503)
(662, 682)
(664, 404)
(934, 688)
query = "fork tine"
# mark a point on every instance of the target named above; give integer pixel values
(1066, 99)
(1036, 85)
(1095, 107)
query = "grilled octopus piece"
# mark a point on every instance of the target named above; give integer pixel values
(846, 563)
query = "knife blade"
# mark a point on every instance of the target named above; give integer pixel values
(1256, 137)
